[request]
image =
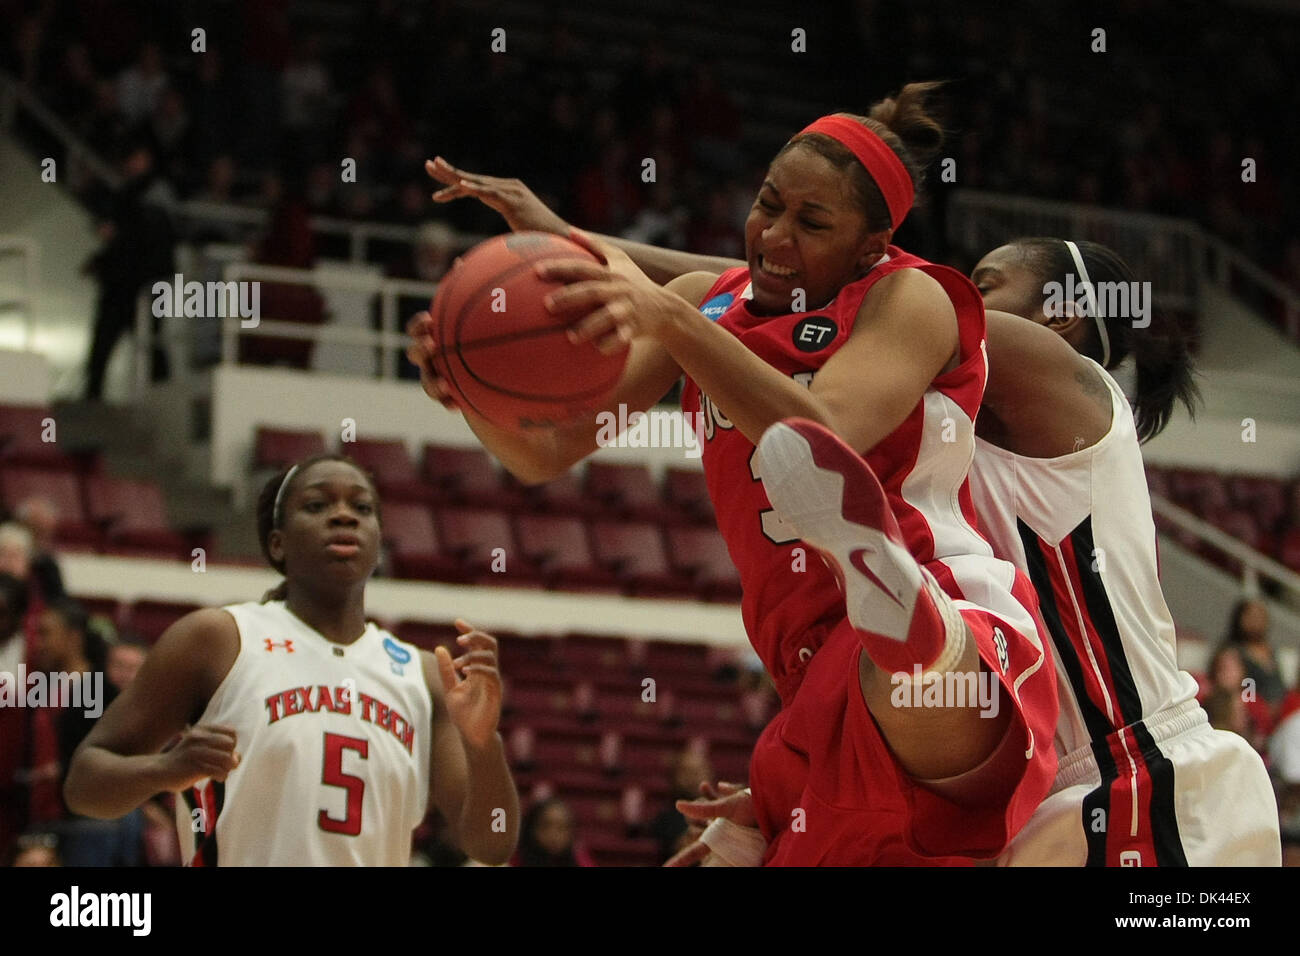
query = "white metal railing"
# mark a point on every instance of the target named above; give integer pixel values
(1254, 565)
(28, 253)
(389, 340)
(14, 97)
(359, 234)
(1176, 254)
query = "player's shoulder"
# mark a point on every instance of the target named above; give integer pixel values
(206, 624)
(908, 287)
(694, 287)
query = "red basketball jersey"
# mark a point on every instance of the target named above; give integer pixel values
(791, 600)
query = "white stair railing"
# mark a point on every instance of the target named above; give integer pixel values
(1254, 565)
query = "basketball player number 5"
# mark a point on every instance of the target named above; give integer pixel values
(776, 528)
(332, 775)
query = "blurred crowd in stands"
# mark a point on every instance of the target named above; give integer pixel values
(1160, 122)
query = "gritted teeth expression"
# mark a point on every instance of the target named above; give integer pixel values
(804, 231)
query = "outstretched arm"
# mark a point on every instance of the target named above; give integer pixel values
(523, 210)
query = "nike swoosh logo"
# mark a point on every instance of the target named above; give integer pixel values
(857, 559)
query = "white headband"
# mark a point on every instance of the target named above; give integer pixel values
(279, 497)
(1091, 296)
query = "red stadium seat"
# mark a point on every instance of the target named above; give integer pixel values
(150, 618)
(484, 545)
(466, 476)
(425, 636)
(278, 448)
(413, 544)
(535, 698)
(558, 545)
(1288, 549)
(567, 494)
(687, 493)
(28, 437)
(390, 465)
(702, 554)
(135, 516)
(62, 489)
(591, 657)
(629, 491)
(636, 553)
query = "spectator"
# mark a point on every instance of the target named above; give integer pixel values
(123, 662)
(38, 848)
(305, 89)
(1226, 702)
(1248, 631)
(67, 645)
(13, 720)
(137, 248)
(690, 771)
(289, 242)
(547, 837)
(41, 520)
(140, 86)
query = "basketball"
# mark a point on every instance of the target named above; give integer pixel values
(502, 353)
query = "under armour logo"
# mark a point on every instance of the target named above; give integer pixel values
(272, 645)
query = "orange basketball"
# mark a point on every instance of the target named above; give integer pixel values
(502, 354)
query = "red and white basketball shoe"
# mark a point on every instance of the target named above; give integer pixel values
(835, 503)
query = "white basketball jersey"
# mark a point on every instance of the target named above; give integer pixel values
(334, 743)
(1080, 526)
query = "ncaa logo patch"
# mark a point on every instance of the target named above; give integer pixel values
(715, 307)
(814, 333)
(1000, 642)
(399, 654)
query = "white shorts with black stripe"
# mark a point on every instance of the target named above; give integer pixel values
(1181, 794)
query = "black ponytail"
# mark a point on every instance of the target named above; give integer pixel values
(1161, 356)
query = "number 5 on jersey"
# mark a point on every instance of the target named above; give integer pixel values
(332, 775)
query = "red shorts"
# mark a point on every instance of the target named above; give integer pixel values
(828, 791)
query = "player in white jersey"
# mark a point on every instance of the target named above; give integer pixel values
(1060, 490)
(308, 736)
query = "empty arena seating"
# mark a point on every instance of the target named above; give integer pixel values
(1262, 512)
(277, 448)
(578, 722)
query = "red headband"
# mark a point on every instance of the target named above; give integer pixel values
(880, 161)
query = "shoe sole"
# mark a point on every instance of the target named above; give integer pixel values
(835, 504)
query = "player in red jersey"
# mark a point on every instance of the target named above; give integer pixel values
(859, 767)
(1058, 469)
